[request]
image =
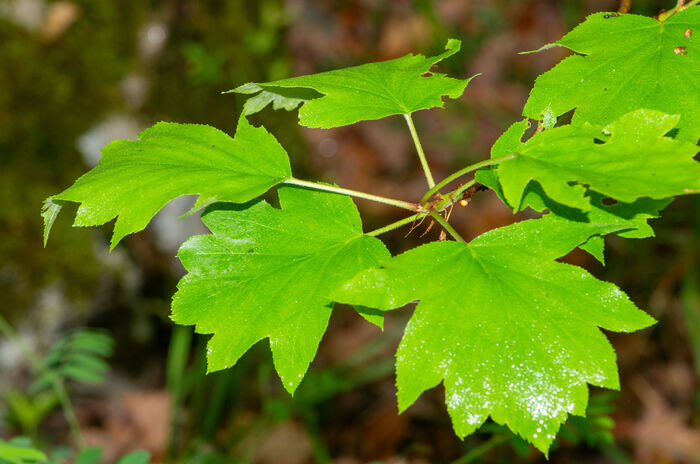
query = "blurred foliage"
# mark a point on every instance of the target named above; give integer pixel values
(26, 411)
(79, 356)
(20, 450)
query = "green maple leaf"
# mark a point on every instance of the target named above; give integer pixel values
(267, 272)
(510, 332)
(134, 180)
(631, 217)
(630, 62)
(359, 93)
(627, 160)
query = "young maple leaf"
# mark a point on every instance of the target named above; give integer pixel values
(267, 273)
(360, 93)
(511, 333)
(625, 62)
(135, 179)
(629, 159)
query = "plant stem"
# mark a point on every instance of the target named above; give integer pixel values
(625, 6)
(58, 386)
(68, 411)
(395, 225)
(352, 193)
(464, 171)
(456, 193)
(446, 225)
(680, 6)
(176, 367)
(419, 149)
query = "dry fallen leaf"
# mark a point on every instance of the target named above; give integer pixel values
(662, 434)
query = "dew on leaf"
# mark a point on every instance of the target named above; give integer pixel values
(473, 419)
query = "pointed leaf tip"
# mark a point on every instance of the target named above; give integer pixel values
(453, 44)
(371, 315)
(541, 49)
(49, 212)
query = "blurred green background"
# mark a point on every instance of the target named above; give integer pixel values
(75, 74)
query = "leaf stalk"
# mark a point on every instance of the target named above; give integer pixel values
(419, 149)
(446, 225)
(396, 225)
(463, 171)
(353, 193)
(680, 6)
